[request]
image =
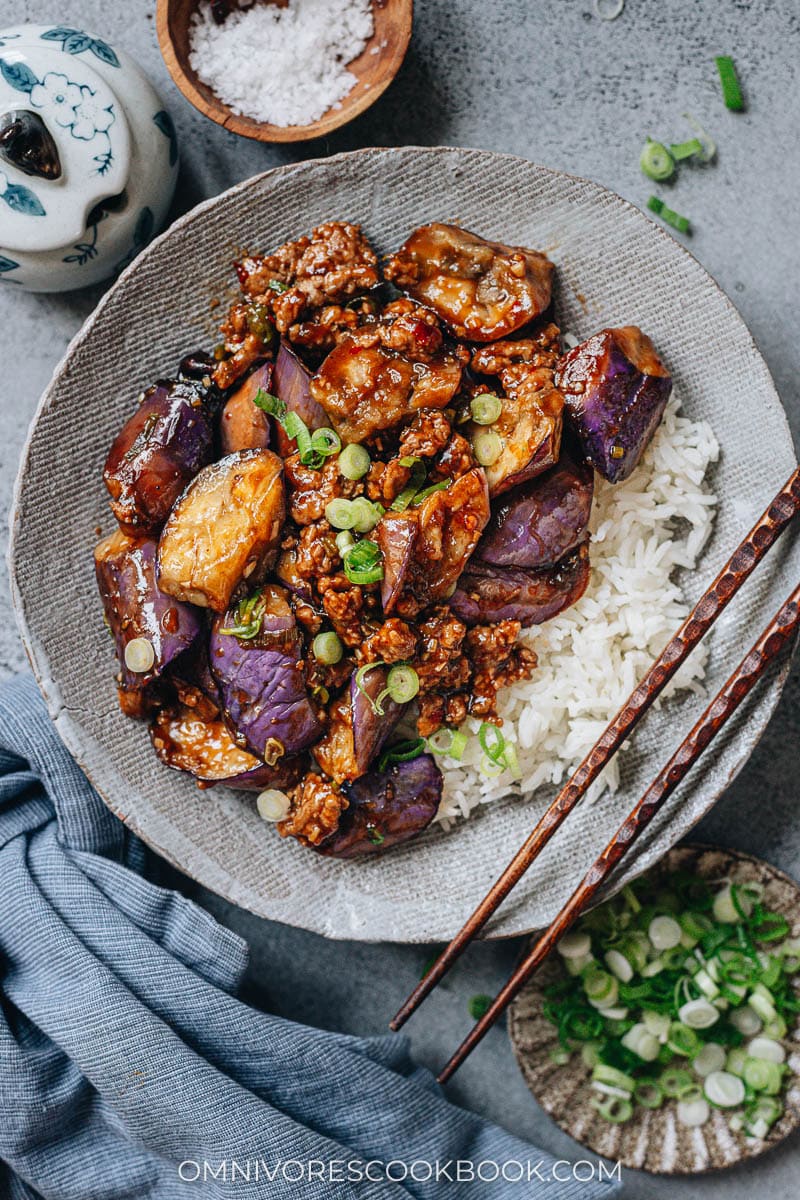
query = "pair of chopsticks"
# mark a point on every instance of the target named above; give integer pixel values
(771, 643)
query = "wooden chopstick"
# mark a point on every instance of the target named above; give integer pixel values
(713, 601)
(772, 641)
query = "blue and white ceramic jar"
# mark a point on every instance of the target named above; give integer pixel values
(88, 158)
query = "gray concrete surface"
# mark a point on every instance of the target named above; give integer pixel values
(551, 82)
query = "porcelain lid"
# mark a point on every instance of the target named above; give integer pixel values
(85, 120)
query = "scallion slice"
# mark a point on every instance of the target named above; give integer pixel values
(401, 752)
(657, 206)
(326, 442)
(486, 408)
(354, 461)
(731, 90)
(656, 161)
(692, 148)
(402, 683)
(340, 513)
(328, 648)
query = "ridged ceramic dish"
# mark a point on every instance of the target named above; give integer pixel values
(614, 266)
(653, 1140)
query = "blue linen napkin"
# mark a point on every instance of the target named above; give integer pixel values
(128, 1068)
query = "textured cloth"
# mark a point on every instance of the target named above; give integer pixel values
(127, 1066)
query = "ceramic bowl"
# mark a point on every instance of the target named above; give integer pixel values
(654, 1140)
(117, 156)
(614, 267)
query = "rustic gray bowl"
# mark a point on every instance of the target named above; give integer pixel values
(654, 1140)
(615, 266)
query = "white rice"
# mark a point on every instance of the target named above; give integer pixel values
(287, 65)
(591, 657)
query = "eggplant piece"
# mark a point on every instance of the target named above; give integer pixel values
(489, 594)
(536, 524)
(243, 426)
(370, 728)
(156, 453)
(425, 549)
(396, 535)
(616, 389)
(224, 529)
(529, 427)
(135, 607)
(367, 389)
(188, 739)
(386, 808)
(261, 681)
(291, 383)
(482, 290)
(197, 365)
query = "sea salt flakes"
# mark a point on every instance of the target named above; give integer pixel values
(286, 66)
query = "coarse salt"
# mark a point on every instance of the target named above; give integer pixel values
(285, 66)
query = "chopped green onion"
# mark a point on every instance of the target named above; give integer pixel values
(683, 1040)
(273, 805)
(326, 442)
(689, 149)
(614, 1109)
(139, 655)
(359, 681)
(693, 1112)
(345, 542)
(707, 143)
(487, 447)
(656, 161)
(574, 944)
(723, 1090)
(610, 1076)
(374, 834)
(675, 1082)
(401, 752)
(275, 285)
(428, 491)
(478, 1006)
(366, 514)
(296, 429)
(486, 408)
(248, 618)
(710, 1057)
(415, 482)
(762, 1075)
(354, 461)
(682, 224)
(664, 933)
(365, 575)
(698, 1014)
(270, 404)
(340, 513)
(641, 1042)
(766, 1048)
(402, 683)
(450, 743)
(648, 1093)
(328, 648)
(731, 91)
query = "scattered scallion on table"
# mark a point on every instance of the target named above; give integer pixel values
(656, 161)
(683, 993)
(668, 215)
(731, 89)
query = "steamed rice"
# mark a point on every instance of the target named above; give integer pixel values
(591, 657)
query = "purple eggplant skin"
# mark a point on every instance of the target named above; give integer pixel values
(290, 383)
(386, 808)
(370, 729)
(261, 682)
(158, 451)
(242, 424)
(539, 522)
(134, 606)
(616, 389)
(488, 594)
(195, 740)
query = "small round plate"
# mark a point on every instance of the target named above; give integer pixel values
(653, 1140)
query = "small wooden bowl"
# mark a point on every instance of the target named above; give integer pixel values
(374, 69)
